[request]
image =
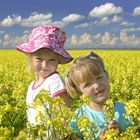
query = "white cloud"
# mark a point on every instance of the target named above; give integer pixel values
(37, 19)
(129, 40)
(107, 20)
(107, 39)
(6, 40)
(136, 11)
(9, 41)
(67, 20)
(124, 38)
(74, 40)
(97, 37)
(26, 32)
(81, 40)
(117, 18)
(59, 23)
(103, 21)
(72, 18)
(85, 38)
(88, 39)
(131, 29)
(8, 21)
(105, 10)
(125, 23)
(34, 19)
(20, 39)
(6, 37)
(83, 25)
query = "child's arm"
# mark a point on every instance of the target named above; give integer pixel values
(57, 88)
(66, 98)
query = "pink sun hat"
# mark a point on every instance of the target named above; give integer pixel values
(49, 37)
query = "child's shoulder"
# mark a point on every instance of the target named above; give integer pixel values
(85, 110)
(54, 76)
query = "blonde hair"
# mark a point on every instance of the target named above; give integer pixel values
(83, 69)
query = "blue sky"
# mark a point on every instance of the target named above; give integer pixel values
(88, 23)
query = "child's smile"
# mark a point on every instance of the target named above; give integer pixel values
(99, 93)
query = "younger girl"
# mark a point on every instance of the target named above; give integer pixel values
(88, 76)
(45, 51)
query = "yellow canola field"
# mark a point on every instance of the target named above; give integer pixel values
(123, 67)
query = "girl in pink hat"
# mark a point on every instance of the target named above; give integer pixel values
(45, 49)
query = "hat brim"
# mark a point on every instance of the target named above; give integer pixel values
(29, 48)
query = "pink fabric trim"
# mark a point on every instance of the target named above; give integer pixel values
(59, 92)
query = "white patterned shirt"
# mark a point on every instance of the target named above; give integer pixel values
(54, 85)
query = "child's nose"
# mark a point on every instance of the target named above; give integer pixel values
(97, 85)
(44, 64)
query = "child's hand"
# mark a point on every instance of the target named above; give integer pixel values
(101, 136)
(113, 125)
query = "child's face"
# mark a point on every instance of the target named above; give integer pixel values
(98, 88)
(44, 63)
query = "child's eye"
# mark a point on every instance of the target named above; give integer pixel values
(38, 59)
(87, 85)
(51, 59)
